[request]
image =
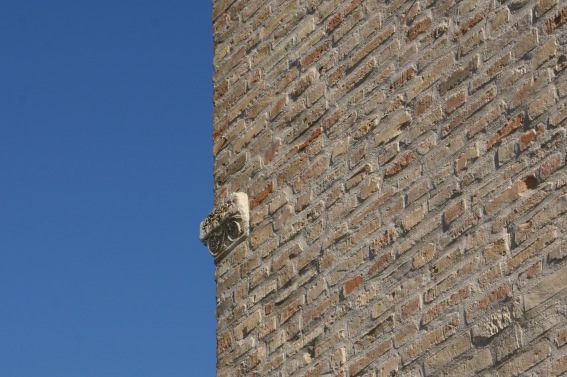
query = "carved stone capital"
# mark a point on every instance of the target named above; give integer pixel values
(226, 226)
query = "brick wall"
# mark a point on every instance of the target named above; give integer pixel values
(405, 168)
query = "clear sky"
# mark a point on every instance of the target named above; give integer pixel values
(105, 174)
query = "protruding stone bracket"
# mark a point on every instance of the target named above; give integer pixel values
(226, 226)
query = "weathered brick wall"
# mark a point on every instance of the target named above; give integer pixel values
(405, 168)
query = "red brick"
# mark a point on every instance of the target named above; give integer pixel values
(380, 264)
(507, 129)
(334, 22)
(528, 137)
(419, 28)
(352, 284)
(316, 54)
(550, 165)
(400, 164)
(261, 196)
(318, 131)
(405, 76)
(488, 300)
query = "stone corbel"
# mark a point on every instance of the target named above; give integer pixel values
(226, 226)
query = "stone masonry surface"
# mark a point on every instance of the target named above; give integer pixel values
(404, 163)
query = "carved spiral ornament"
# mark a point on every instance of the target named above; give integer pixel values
(226, 225)
(228, 233)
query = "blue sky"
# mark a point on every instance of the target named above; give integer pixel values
(106, 172)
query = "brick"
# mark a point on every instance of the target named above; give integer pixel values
(404, 77)
(492, 325)
(380, 264)
(527, 44)
(550, 165)
(540, 219)
(315, 93)
(521, 363)
(541, 103)
(488, 300)
(315, 54)
(301, 86)
(393, 127)
(546, 288)
(389, 367)
(543, 241)
(224, 342)
(446, 260)
(455, 299)
(447, 354)
(454, 211)
(363, 361)
(455, 101)
(386, 238)
(527, 205)
(246, 326)
(261, 196)
(558, 117)
(508, 128)
(423, 255)
(400, 164)
(458, 76)
(417, 191)
(354, 78)
(466, 157)
(404, 165)
(480, 360)
(472, 42)
(413, 218)
(471, 23)
(365, 297)
(430, 339)
(410, 307)
(432, 74)
(490, 276)
(499, 19)
(530, 273)
(509, 194)
(530, 136)
(544, 53)
(278, 106)
(422, 104)
(559, 366)
(561, 338)
(410, 14)
(418, 28)
(291, 308)
(362, 233)
(557, 20)
(334, 22)
(404, 334)
(315, 169)
(369, 188)
(371, 45)
(358, 176)
(352, 284)
(543, 6)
